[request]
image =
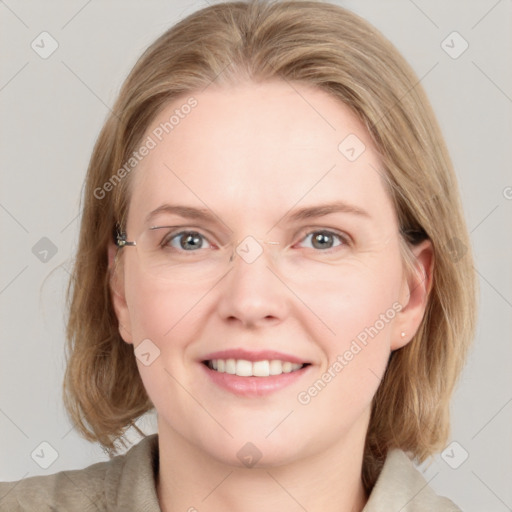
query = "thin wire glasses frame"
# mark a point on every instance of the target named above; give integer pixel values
(413, 236)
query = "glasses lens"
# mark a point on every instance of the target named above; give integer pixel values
(181, 255)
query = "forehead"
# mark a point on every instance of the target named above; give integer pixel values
(250, 147)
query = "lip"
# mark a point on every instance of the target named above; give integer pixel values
(249, 355)
(254, 386)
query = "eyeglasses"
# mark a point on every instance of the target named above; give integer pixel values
(176, 254)
(162, 257)
(171, 253)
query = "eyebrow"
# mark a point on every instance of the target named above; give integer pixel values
(310, 212)
(304, 213)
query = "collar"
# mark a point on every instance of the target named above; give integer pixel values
(399, 487)
(136, 485)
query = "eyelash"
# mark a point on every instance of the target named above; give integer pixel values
(344, 239)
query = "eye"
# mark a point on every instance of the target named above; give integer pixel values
(185, 240)
(325, 240)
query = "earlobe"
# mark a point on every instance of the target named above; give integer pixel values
(117, 294)
(415, 294)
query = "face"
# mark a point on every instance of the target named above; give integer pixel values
(321, 292)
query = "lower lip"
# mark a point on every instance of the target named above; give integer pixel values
(254, 386)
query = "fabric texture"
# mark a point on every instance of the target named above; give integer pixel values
(128, 483)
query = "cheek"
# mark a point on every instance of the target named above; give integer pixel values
(156, 308)
(362, 299)
(356, 354)
(165, 316)
(171, 316)
(354, 328)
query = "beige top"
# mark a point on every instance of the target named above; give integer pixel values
(128, 483)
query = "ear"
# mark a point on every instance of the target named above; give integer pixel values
(117, 293)
(414, 294)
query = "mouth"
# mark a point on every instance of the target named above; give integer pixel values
(246, 368)
(253, 374)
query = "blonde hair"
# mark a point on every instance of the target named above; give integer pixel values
(328, 47)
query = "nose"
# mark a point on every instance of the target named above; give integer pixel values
(251, 293)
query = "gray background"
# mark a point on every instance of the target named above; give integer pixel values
(52, 110)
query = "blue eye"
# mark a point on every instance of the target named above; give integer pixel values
(186, 240)
(192, 241)
(324, 239)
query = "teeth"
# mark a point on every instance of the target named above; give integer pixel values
(261, 368)
(230, 366)
(244, 368)
(276, 367)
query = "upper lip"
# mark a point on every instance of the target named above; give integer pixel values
(249, 355)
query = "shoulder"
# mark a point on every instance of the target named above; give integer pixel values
(76, 488)
(401, 486)
(95, 488)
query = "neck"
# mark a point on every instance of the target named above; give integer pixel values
(191, 480)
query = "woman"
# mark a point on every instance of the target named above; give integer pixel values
(266, 259)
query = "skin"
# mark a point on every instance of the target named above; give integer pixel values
(252, 153)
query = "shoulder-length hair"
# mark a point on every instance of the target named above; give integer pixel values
(328, 47)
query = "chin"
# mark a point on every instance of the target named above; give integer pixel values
(249, 448)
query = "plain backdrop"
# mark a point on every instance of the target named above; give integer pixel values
(51, 112)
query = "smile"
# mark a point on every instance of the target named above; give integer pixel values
(245, 368)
